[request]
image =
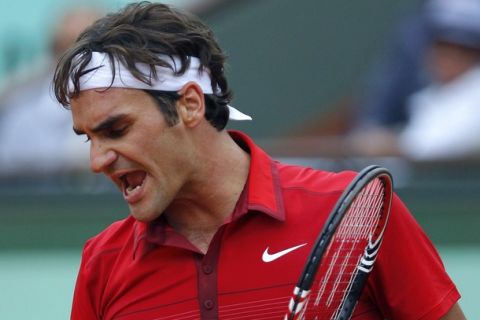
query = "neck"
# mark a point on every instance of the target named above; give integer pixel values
(203, 205)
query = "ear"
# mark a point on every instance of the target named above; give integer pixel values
(191, 105)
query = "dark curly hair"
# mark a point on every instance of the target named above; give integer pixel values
(139, 33)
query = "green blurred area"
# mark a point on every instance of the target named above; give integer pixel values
(444, 198)
(35, 221)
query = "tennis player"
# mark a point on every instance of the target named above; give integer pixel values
(217, 229)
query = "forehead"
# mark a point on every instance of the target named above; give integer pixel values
(93, 107)
(95, 104)
(102, 97)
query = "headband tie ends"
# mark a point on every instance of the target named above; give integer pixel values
(101, 77)
(235, 114)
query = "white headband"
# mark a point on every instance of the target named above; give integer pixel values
(101, 77)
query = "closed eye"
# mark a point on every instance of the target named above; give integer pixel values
(116, 133)
(113, 127)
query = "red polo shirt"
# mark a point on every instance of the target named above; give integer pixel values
(137, 271)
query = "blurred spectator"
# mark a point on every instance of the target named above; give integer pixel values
(35, 131)
(398, 74)
(441, 121)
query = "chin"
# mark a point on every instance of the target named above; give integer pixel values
(143, 216)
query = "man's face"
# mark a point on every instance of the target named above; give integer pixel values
(132, 144)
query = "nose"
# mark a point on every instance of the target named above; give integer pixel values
(101, 158)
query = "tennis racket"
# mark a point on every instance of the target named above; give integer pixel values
(345, 251)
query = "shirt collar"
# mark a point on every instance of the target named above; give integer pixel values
(263, 191)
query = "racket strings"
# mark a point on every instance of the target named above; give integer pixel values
(360, 216)
(342, 256)
(348, 230)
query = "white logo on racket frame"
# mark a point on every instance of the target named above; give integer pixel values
(370, 254)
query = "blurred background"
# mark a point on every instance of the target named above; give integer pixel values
(333, 85)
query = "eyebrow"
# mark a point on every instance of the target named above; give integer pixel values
(106, 124)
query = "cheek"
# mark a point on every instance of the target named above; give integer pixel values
(161, 146)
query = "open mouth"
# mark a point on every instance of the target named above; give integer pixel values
(132, 184)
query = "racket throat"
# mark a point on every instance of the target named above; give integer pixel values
(296, 306)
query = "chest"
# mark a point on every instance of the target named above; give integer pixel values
(249, 272)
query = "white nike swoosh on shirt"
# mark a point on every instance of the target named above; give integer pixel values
(267, 257)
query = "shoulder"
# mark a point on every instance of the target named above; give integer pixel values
(309, 194)
(309, 179)
(110, 241)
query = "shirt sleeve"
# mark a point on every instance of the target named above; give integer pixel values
(409, 280)
(83, 306)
